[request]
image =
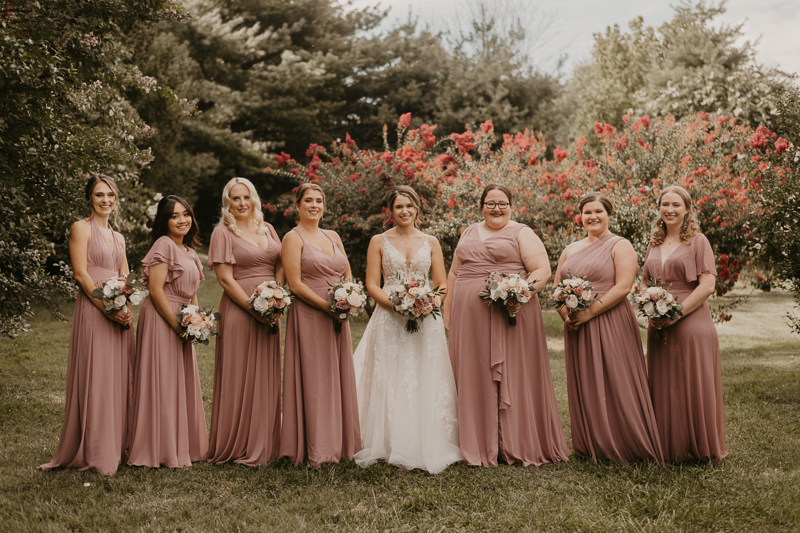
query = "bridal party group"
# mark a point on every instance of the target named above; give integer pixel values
(481, 393)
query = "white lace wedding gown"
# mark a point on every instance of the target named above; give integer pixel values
(407, 401)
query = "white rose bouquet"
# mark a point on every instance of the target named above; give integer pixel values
(655, 301)
(199, 323)
(271, 299)
(347, 299)
(416, 301)
(117, 292)
(575, 292)
(507, 290)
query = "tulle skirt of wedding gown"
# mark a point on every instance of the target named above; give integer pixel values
(406, 395)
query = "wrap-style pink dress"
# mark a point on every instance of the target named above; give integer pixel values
(320, 406)
(684, 366)
(246, 410)
(609, 401)
(506, 403)
(168, 425)
(98, 369)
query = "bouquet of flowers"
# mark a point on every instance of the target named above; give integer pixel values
(271, 300)
(655, 301)
(416, 301)
(575, 292)
(117, 292)
(347, 299)
(507, 289)
(199, 323)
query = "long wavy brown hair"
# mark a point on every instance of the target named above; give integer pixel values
(690, 226)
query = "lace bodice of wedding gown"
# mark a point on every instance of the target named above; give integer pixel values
(394, 263)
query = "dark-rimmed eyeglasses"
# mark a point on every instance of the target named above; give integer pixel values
(498, 205)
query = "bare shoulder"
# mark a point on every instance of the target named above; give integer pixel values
(333, 235)
(377, 240)
(120, 237)
(81, 228)
(622, 244)
(292, 238)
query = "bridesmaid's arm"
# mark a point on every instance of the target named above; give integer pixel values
(291, 255)
(438, 273)
(534, 257)
(155, 284)
(124, 270)
(280, 275)
(562, 311)
(697, 298)
(348, 274)
(451, 282)
(234, 291)
(373, 281)
(626, 265)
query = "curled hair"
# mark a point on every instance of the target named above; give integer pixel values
(411, 194)
(690, 226)
(227, 217)
(606, 202)
(303, 188)
(161, 224)
(91, 183)
(492, 186)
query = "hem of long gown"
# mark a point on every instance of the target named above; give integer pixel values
(50, 466)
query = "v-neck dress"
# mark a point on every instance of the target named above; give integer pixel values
(168, 425)
(98, 367)
(611, 415)
(685, 371)
(506, 402)
(246, 410)
(320, 406)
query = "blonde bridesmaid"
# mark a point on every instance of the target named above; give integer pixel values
(100, 348)
(320, 407)
(611, 416)
(506, 403)
(684, 364)
(168, 426)
(244, 252)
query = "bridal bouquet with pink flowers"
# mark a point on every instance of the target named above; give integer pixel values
(198, 323)
(575, 292)
(117, 292)
(347, 299)
(416, 300)
(271, 300)
(507, 290)
(655, 301)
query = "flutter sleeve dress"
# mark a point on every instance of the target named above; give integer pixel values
(685, 371)
(100, 352)
(320, 405)
(168, 425)
(246, 410)
(506, 402)
(610, 410)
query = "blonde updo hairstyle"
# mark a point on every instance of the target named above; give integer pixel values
(88, 191)
(228, 218)
(690, 226)
(408, 192)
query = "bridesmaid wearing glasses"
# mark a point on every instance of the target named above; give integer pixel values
(100, 346)
(245, 414)
(320, 407)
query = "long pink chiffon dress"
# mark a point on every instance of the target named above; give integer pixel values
(320, 407)
(609, 401)
(98, 367)
(684, 366)
(506, 403)
(245, 414)
(168, 425)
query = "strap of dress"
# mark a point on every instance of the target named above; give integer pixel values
(301, 235)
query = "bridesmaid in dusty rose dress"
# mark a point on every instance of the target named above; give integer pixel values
(609, 402)
(95, 417)
(684, 366)
(168, 426)
(506, 403)
(245, 415)
(320, 407)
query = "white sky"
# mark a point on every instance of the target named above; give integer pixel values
(774, 22)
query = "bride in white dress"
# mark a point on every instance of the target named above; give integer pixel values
(407, 401)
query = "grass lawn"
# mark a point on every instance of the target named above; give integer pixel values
(757, 488)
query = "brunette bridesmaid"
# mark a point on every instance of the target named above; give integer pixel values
(168, 426)
(320, 407)
(100, 348)
(609, 402)
(244, 252)
(506, 403)
(684, 365)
